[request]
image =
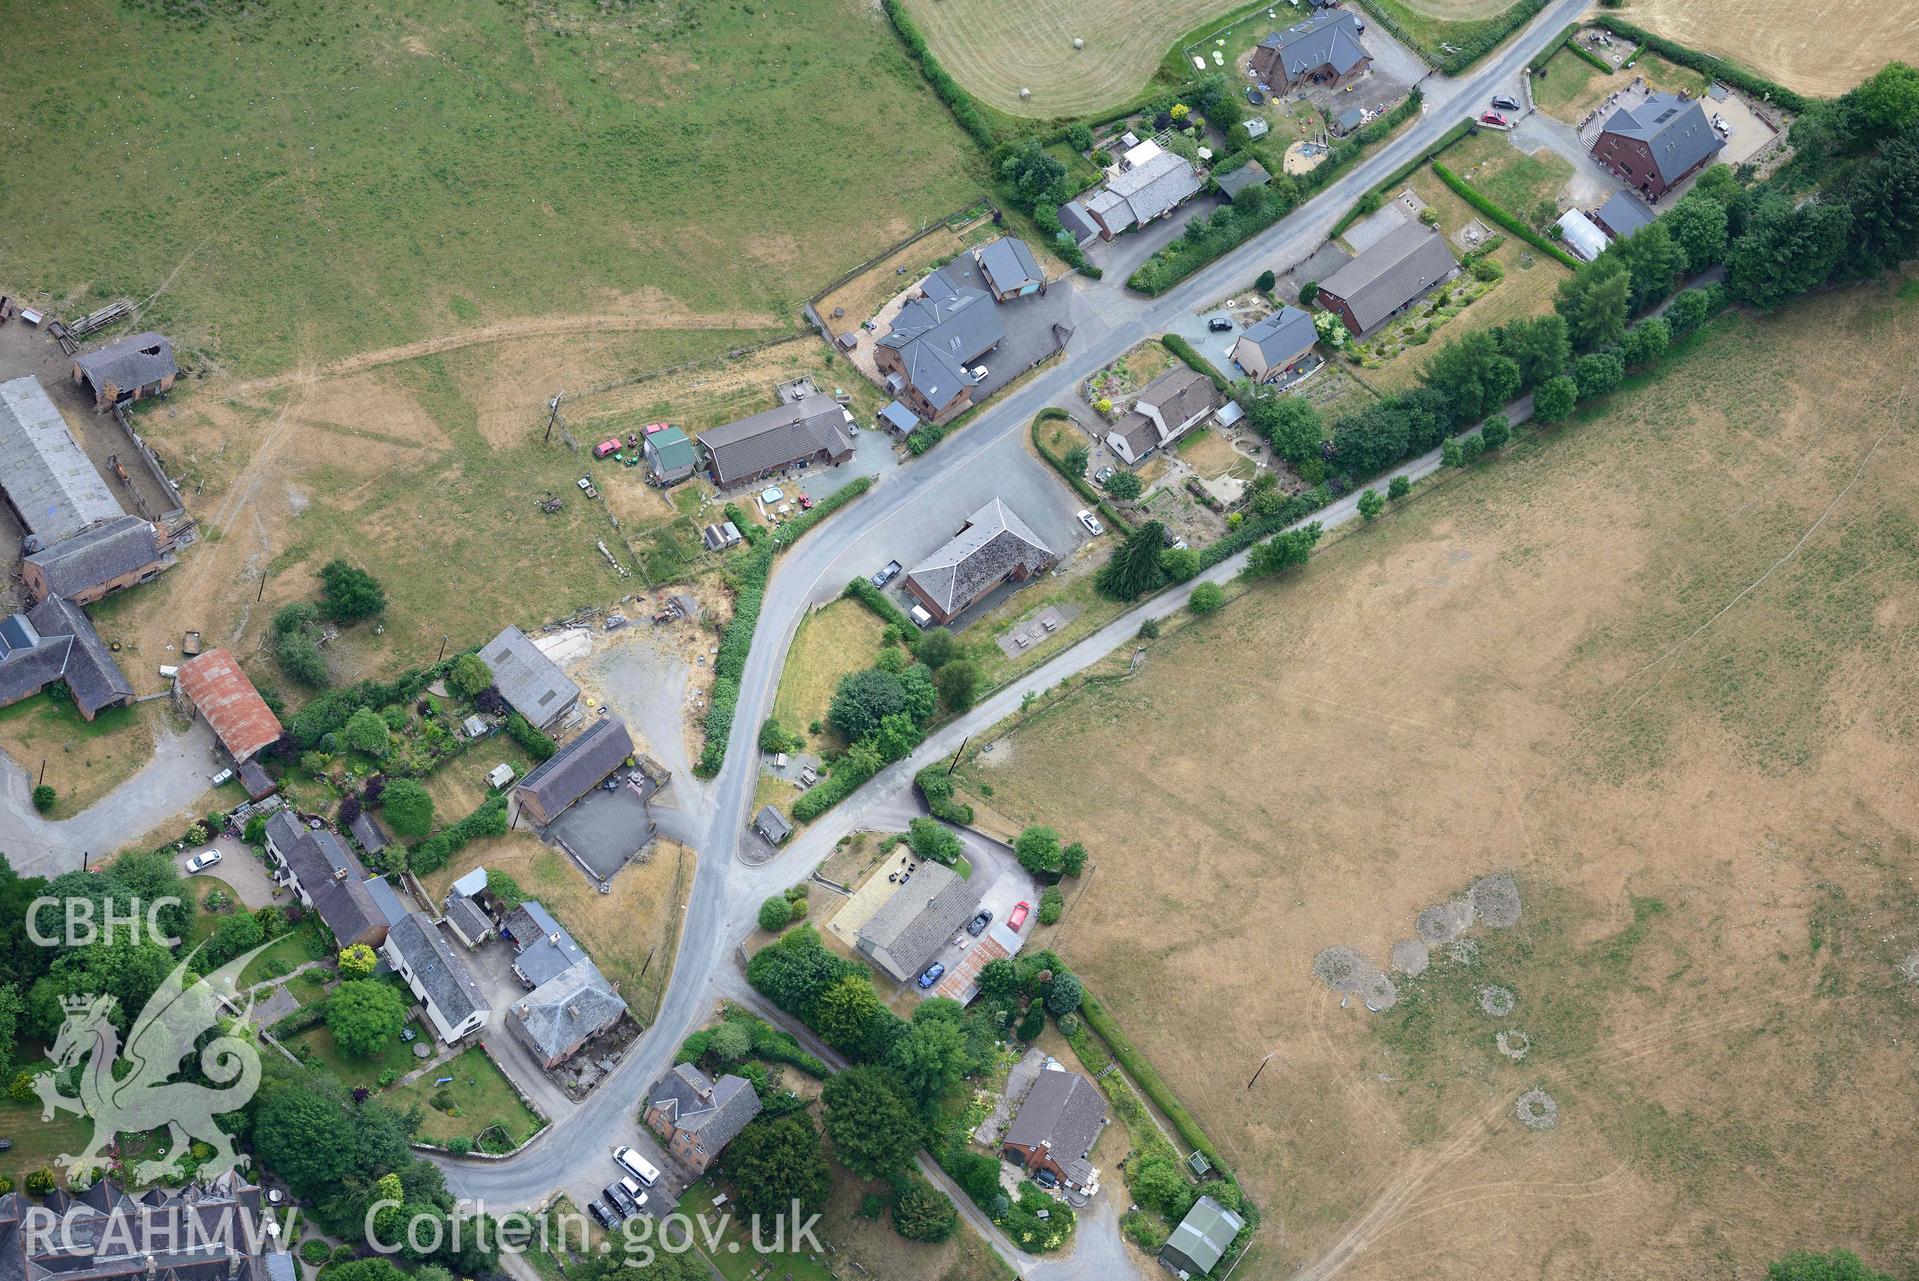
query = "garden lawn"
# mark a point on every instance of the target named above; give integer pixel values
(397, 1056)
(1507, 176)
(832, 643)
(1572, 86)
(83, 759)
(205, 922)
(296, 947)
(37, 1142)
(481, 1093)
(734, 1254)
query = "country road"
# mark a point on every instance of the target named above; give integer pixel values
(726, 892)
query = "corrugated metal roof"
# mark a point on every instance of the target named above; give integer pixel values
(215, 685)
(46, 475)
(531, 683)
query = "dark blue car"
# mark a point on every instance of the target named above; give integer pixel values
(932, 974)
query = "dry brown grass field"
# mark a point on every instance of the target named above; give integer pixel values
(1822, 53)
(1659, 665)
(995, 48)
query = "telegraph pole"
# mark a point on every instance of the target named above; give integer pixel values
(1261, 1068)
(954, 763)
(552, 414)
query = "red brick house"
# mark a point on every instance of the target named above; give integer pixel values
(1056, 1128)
(1655, 146)
(696, 1117)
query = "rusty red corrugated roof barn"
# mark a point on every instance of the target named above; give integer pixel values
(221, 692)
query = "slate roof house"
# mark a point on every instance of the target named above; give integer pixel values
(1324, 50)
(543, 949)
(1201, 1239)
(562, 1014)
(696, 1117)
(133, 368)
(201, 1232)
(1056, 1128)
(98, 561)
(1400, 267)
(45, 476)
(1010, 269)
(1077, 222)
(670, 457)
(1622, 214)
(1658, 144)
(933, 341)
(906, 932)
(1151, 183)
(1273, 345)
(1166, 410)
(327, 878)
(420, 954)
(810, 429)
(215, 687)
(55, 641)
(576, 769)
(994, 546)
(531, 683)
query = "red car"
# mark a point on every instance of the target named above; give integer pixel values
(806, 504)
(1494, 118)
(1017, 917)
(607, 447)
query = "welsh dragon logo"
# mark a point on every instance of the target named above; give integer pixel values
(132, 1089)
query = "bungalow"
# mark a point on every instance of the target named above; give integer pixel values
(1056, 1128)
(810, 429)
(1323, 51)
(1658, 144)
(670, 457)
(326, 877)
(1273, 346)
(134, 368)
(1166, 410)
(1010, 269)
(562, 1014)
(994, 546)
(576, 769)
(696, 1117)
(1201, 1239)
(1397, 269)
(909, 929)
(531, 683)
(1150, 182)
(927, 355)
(420, 954)
(213, 685)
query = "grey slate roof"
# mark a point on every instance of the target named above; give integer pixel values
(899, 417)
(55, 640)
(1179, 394)
(532, 684)
(579, 767)
(134, 361)
(111, 1233)
(546, 949)
(1624, 213)
(1250, 174)
(777, 436)
(46, 475)
(1350, 119)
(1010, 265)
(1203, 1236)
(366, 830)
(772, 824)
(715, 1110)
(1150, 189)
(387, 899)
(1325, 39)
(97, 555)
(994, 544)
(438, 968)
(558, 1014)
(1400, 266)
(315, 859)
(910, 927)
(1074, 218)
(1282, 335)
(1675, 129)
(1063, 1110)
(936, 335)
(467, 917)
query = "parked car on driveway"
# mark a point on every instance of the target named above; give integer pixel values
(932, 975)
(1093, 526)
(620, 1204)
(1505, 102)
(636, 1165)
(1494, 118)
(202, 861)
(887, 573)
(1104, 474)
(1220, 325)
(977, 926)
(1017, 917)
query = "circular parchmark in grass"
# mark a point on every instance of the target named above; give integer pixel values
(1410, 956)
(1380, 993)
(1343, 969)
(1463, 952)
(1514, 1044)
(1495, 901)
(1536, 1110)
(1444, 922)
(1497, 1001)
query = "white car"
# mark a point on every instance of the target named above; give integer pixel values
(979, 373)
(638, 1166)
(202, 861)
(1092, 524)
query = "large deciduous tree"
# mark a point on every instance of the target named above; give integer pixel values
(364, 1015)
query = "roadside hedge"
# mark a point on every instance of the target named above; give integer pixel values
(1296, 508)
(1081, 486)
(846, 778)
(795, 529)
(749, 575)
(1553, 46)
(1372, 199)
(1194, 361)
(1718, 68)
(1499, 215)
(937, 789)
(1149, 1080)
(863, 591)
(1466, 49)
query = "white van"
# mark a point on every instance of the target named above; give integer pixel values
(920, 617)
(639, 1166)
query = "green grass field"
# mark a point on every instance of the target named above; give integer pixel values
(305, 180)
(397, 1055)
(480, 1092)
(295, 948)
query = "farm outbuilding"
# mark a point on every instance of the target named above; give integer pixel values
(134, 368)
(215, 687)
(48, 480)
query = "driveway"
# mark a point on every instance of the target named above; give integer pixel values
(239, 867)
(1592, 184)
(1119, 258)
